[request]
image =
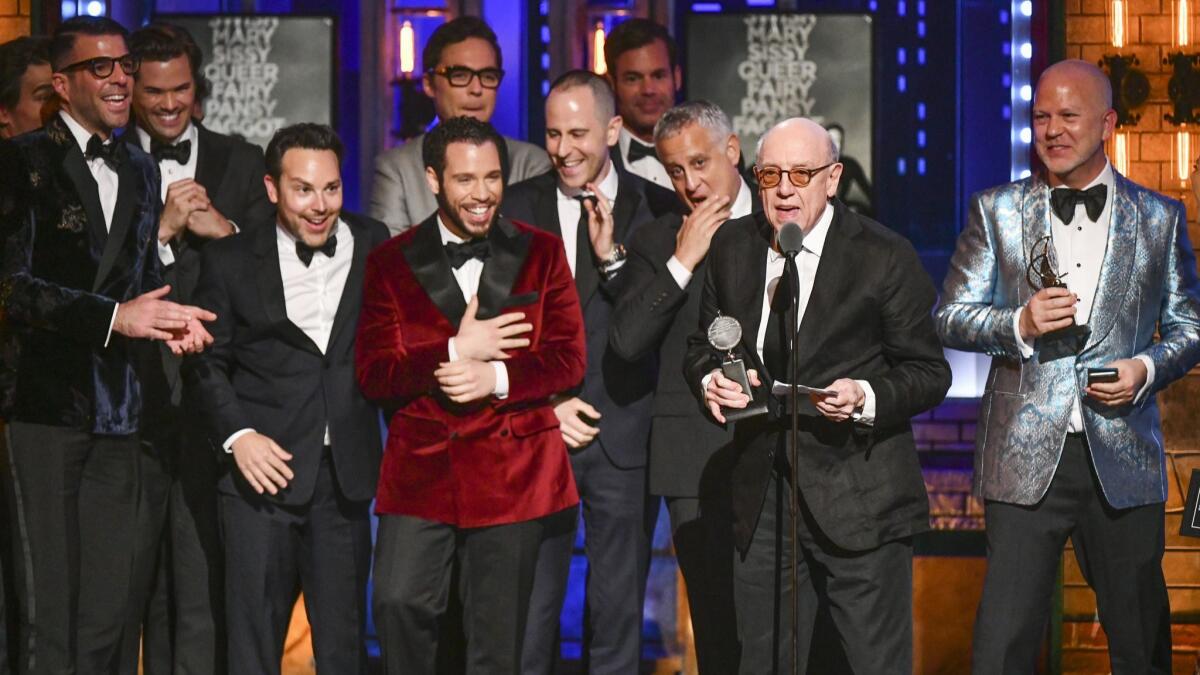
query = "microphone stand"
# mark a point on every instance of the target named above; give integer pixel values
(793, 279)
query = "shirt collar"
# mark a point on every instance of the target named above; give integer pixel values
(626, 137)
(188, 134)
(743, 204)
(608, 186)
(82, 136)
(448, 237)
(814, 241)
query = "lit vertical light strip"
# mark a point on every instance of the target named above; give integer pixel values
(1184, 24)
(599, 67)
(408, 49)
(1118, 23)
(1121, 152)
(1183, 154)
(1019, 17)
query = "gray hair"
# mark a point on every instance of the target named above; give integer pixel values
(834, 154)
(602, 93)
(700, 112)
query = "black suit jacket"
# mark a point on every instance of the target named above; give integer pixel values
(660, 200)
(62, 273)
(869, 318)
(620, 390)
(263, 372)
(655, 316)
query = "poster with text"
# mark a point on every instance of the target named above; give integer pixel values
(266, 72)
(764, 68)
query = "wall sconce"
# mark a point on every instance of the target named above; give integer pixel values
(412, 109)
(1130, 86)
(601, 18)
(599, 66)
(407, 50)
(1183, 89)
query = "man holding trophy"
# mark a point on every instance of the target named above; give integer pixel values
(1064, 282)
(864, 328)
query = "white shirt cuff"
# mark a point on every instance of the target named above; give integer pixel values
(707, 378)
(500, 391)
(453, 352)
(111, 322)
(228, 445)
(1141, 395)
(1026, 349)
(679, 273)
(867, 414)
(165, 255)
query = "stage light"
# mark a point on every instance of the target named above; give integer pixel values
(1018, 81)
(706, 7)
(1026, 50)
(408, 49)
(901, 166)
(920, 138)
(599, 67)
(920, 111)
(1026, 135)
(901, 55)
(1027, 8)
(921, 166)
(1026, 92)
(901, 83)
(95, 8)
(69, 9)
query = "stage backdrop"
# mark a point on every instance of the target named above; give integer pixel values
(763, 68)
(266, 71)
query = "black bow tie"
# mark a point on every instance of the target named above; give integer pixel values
(305, 252)
(180, 152)
(110, 152)
(638, 150)
(1064, 200)
(459, 254)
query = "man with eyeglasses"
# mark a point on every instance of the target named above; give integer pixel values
(865, 334)
(82, 297)
(462, 63)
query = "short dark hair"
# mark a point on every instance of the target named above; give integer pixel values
(455, 31)
(164, 42)
(635, 34)
(602, 92)
(461, 130)
(63, 40)
(303, 136)
(15, 58)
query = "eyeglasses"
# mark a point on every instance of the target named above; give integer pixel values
(461, 76)
(102, 66)
(770, 176)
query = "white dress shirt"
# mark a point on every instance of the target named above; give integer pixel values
(171, 170)
(569, 209)
(646, 167)
(467, 277)
(1080, 251)
(107, 186)
(311, 293)
(743, 204)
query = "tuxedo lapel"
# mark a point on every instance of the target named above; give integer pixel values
(212, 158)
(1035, 218)
(509, 249)
(127, 179)
(89, 195)
(830, 282)
(1117, 269)
(352, 291)
(270, 290)
(432, 269)
(751, 262)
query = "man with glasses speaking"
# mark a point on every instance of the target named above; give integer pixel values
(82, 298)
(462, 73)
(865, 337)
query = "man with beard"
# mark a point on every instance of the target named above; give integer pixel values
(80, 215)
(1061, 454)
(594, 208)
(24, 84)
(690, 457)
(463, 70)
(280, 397)
(212, 185)
(475, 469)
(854, 498)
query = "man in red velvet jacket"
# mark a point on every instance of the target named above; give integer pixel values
(475, 469)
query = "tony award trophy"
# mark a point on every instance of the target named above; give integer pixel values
(724, 333)
(1043, 272)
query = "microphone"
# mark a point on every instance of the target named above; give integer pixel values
(791, 239)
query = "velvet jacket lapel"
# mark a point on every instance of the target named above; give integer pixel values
(122, 221)
(432, 269)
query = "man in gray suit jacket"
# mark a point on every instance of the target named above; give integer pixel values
(1061, 455)
(462, 72)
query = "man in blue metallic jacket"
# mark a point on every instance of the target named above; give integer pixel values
(1061, 453)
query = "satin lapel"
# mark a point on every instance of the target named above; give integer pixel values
(432, 269)
(352, 291)
(834, 270)
(1035, 220)
(270, 290)
(211, 157)
(509, 249)
(1117, 270)
(127, 178)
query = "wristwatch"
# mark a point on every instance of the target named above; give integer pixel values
(614, 259)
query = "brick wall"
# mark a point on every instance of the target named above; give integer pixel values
(945, 438)
(14, 19)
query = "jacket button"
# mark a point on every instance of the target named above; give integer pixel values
(504, 432)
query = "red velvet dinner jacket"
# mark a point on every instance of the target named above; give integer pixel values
(493, 461)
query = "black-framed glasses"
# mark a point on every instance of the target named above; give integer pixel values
(461, 76)
(102, 66)
(770, 176)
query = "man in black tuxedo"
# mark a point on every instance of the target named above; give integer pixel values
(606, 425)
(865, 332)
(690, 455)
(212, 185)
(280, 397)
(81, 298)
